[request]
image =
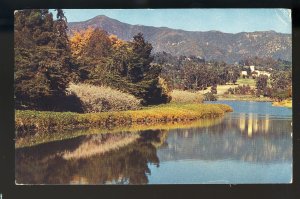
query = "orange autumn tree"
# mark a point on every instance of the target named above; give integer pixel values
(98, 54)
(116, 42)
(91, 49)
(79, 40)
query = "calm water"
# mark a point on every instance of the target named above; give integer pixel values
(251, 145)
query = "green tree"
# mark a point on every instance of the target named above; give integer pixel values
(141, 77)
(195, 75)
(281, 80)
(261, 84)
(95, 63)
(281, 83)
(43, 65)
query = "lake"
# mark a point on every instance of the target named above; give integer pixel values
(251, 145)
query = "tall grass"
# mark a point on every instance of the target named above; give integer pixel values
(43, 122)
(102, 98)
(180, 96)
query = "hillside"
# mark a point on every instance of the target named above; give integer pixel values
(209, 45)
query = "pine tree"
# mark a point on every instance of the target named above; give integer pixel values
(136, 73)
(43, 65)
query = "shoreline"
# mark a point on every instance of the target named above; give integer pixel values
(244, 98)
(284, 103)
(28, 122)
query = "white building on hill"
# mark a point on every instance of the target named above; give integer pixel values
(256, 73)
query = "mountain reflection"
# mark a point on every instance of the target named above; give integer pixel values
(92, 159)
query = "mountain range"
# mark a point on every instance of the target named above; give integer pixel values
(210, 45)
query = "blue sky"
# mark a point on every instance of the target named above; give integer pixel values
(225, 20)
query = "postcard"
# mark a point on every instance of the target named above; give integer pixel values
(153, 96)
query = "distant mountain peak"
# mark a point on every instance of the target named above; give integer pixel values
(103, 17)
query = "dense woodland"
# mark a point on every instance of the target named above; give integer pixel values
(47, 59)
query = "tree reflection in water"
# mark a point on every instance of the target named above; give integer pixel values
(73, 162)
(124, 157)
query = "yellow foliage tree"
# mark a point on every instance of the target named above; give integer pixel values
(116, 42)
(79, 41)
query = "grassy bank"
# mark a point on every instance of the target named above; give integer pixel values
(30, 122)
(285, 103)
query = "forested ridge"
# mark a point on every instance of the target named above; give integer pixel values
(210, 45)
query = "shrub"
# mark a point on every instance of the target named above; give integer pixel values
(280, 94)
(230, 90)
(158, 93)
(209, 97)
(267, 92)
(261, 82)
(213, 89)
(101, 98)
(165, 90)
(242, 90)
(180, 96)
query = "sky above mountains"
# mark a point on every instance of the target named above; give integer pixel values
(224, 20)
